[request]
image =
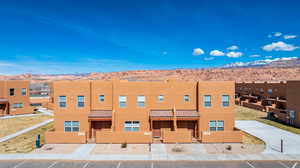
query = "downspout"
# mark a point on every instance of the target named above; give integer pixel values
(175, 118)
(112, 105)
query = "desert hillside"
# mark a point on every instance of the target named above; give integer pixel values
(234, 74)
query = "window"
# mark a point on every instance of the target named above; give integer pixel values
(62, 101)
(72, 126)
(141, 101)
(18, 105)
(216, 125)
(132, 126)
(213, 125)
(122, 101)
(161, 98)
(101, 98)
(207, 100)
(80, 101)
(270, 91)
(186, 98)
(24, 91)
(225, 100)
(261, 90)
(220, 125)
(11, 91)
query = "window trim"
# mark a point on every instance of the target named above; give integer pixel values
(59, 101)
(139, 103)
(12, 90)
(100, 98)
(188, 98)
(78, 103)
(217, 127)
(161, 100)
(210, 102)
(132, 126)
(18, 105)
(124, 102)
(226, 101)
(22, 93)
(72, 126)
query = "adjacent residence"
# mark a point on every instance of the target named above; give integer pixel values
(279, 99)
(14, 97)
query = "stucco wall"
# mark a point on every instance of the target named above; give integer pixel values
(59, 137)
(179, 136)
(123, 137)
(222, 137)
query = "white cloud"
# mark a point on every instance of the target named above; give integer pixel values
(233, 54)
(198, 51)
(277, 34)
(269, 56)
(234, 47)
(254, 55)
(260, 62)
(279, 46)
(209, 58)
(289, 36)
(4, 64)
(216, 53)
(269, 36)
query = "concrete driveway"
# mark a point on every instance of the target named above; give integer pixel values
(272, 136)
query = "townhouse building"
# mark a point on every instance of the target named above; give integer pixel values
(14, 97)
(117, 111)
(279, 99)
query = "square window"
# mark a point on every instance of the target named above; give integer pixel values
(186, 98)
(101, 98)
(161, 98)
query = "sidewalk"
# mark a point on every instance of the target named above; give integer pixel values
(8, 137)
(272, 136)
(21, 115)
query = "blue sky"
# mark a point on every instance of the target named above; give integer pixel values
(58, 37)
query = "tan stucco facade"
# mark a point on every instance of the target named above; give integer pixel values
(172, 112)
(14, 97)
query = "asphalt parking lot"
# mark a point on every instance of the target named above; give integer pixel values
(148, 164)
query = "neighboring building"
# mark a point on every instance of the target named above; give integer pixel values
(279, 99)
(39, 89)
(14, 97)
(143, 112)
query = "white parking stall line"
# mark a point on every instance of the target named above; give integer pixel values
(52, 164)
(250, 165)
(86, 165)
(19, 164)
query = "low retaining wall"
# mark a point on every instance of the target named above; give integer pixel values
(55, 137)
(278, 114)
(123, 137)
(179, 136)
(222, 136)
(254, 106)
